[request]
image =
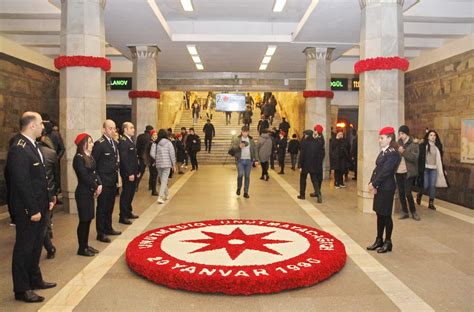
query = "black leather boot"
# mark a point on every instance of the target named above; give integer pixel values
(418, 198)
(377, 244)
(431, 205)
(387, 246)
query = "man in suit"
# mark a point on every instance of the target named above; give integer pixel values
(143, 145)
(105, 154)
(129, 171)
(30, 202)
(310, 158)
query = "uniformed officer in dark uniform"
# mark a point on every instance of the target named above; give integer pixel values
(382, 185)
(30, 201)
(129, 171)
(105, 154)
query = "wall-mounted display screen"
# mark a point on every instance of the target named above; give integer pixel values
(230, 102)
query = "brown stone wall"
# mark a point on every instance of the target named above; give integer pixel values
(439, 96)
(23, 86)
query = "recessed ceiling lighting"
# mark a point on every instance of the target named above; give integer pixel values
(278, 7)
(199, 66)
(266, 59)
(263, 67)
(196, 59)
(188, 5)
(192, 49)
(271, 50)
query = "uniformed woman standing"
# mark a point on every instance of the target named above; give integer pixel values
(88, 187)
(383, 185)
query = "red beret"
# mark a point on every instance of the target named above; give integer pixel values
(178, 135)
(80, 137)
(283, 133)
(152, 132)
(387, 130)
(318, 128)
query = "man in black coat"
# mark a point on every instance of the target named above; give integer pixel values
(310, 162)
(129, 171)
(143, 141)
(263, 124)
(193, 146)
(209, 133)
(105, 154)
(281, 151)
(284, 126)
(52, 173)
(30, 202)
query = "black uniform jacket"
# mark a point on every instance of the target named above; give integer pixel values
(87, 178)
(383, 177)
(312, 155)
(27, 179)
(50, 163)
(106, 161)
(128, 157)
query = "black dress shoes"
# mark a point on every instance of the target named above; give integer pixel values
(28, 296)
(125, 221)
(246, 195)
(238, 192)
(93, 249)
(387, 246)
(102, 238)
(301, 197)
(85, 252)
(154, 193)
(44, 285)
(377, 244)
(132, 216)
(113, 232)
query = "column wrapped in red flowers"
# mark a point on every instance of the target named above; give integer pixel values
(381, 63)
(144, 94)
(318, 93)
(82, 61)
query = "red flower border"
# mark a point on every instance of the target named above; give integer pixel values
(144, 94)
(381, 63)
(317, 93)
(83, 61)
(312, 266)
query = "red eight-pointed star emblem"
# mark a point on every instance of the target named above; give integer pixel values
(236, 242)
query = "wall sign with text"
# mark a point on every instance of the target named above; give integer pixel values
(339, 84)
(355, 84)
(120, 83)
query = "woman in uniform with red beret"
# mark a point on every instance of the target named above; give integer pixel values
(88, 187)
(383, 185)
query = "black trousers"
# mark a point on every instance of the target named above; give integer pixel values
(126, 197)
(264, 168)
(48, 232)
(26, 253)
(405, 186)
(281, 163)
(83, 234)
(272, 160)
(293, 160)
(384, 223)
(208, 143)
(194, 161)
(105, 209)
(153, 177)
(339, 177)
(314, 181)
(141, 167)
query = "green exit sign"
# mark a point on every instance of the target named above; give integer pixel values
(119, 83)
(338, 84)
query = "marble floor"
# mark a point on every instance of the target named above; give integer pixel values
(430, 268)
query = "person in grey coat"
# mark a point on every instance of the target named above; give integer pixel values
(407, 172)
(162, 151)
(264, 151)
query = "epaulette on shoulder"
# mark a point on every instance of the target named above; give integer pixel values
(391, 149)
(101, 140)
(123, 138)
(21, 143)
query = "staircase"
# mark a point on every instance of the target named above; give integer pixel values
(222, 140)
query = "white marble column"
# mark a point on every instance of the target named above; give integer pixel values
(318, 77)
(381, 95)
(144, 110)
(82, 89)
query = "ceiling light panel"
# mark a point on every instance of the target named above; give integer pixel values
(278, 6)
(263, 67)
(270, 50)
(199, 66)
(196, 59)
(192, 49)
(188, 5)
(266, 59)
